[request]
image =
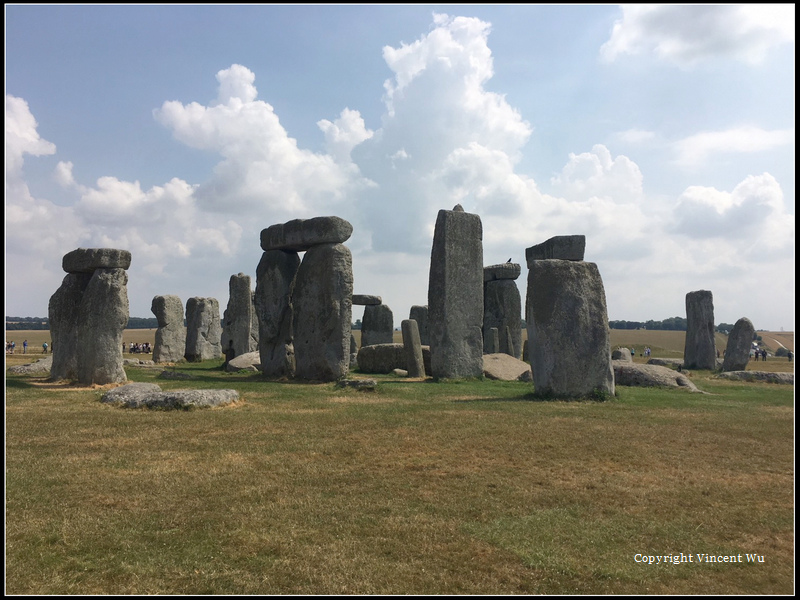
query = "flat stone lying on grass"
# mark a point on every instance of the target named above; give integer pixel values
(149, 395)
(384, 358)
(635, 375)
(37, 367)
(363, 385)
(135, 362)
(759, 376)
(250, 362)
(665, 362)
(174, 375)
(504, 367)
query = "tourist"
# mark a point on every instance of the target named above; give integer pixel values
(44, 348)
(25, 347)
(789, 355)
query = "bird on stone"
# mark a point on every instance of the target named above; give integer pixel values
(509, 260)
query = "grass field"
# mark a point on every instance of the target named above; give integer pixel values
(467, 487)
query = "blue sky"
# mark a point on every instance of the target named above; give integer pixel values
(663, 133)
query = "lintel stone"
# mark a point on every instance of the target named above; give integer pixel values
(366, 300)
(562, 247)
(88, 260)
(502, 271)
(301, 234)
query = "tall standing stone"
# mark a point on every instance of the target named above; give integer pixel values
(88, 314)
(455, 296)
(413, 348)
(103, 317)
(323, 309)
(237, 321)
(567, 318)
(700, 348)
(740, 341)
(63, 312)
(275, 277)
(203, 330)
(377, 326)
(170, 342)
(420, 315)
(502, 307)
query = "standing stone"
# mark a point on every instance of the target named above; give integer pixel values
(170, 343)
(203, 330)
(237, 321)
(420, 315)
(700, 349)
(377, 326)
(275, 277)
(102, 318)
(63, 312)
(502, 308)
(491, 341)
(455, 296)
(740, 341)
(567, 318)
(88, 314)
(413, 348)
(323, 309)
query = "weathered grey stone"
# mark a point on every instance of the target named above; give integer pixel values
(170, 342)
(275, 276)
(413, 348)
(622, 354)
(502, 308)
(237, 320)
(301, 234)
(501, 271)
(37, 367)
(740, 341)
(377, 326)
(149, 395)
(632, 374)
(203, 330)
(353, 344)
(362, 385)
(700, 350)
(664, 362)
(87, 260)
(759, 376)
(102, 318)
(384, 358)
(491, 341)
(174, 375)
(63, 312)
(567, 321)
(455, 296)
(366, 300)
(420, 315)
(562, 247)
(250, 361)
(504, 367)
(322, 301)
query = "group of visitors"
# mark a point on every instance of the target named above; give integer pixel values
(11, 346)
(135, 348)
(758, 354)
(645, 352)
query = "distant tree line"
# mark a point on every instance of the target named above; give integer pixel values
(39, 323)
(671, 324)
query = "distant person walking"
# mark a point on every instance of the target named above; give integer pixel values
(25, 346)
(789, 355)
(44, 348)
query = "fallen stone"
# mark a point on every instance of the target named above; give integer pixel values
(37, 367)
(250, 361)
(504, 367)
(622, 354)
(636, 375)
(363, 385)
(149, 395)
(758, 376)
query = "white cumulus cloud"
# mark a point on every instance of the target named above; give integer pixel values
(696, 149)
(686, 34)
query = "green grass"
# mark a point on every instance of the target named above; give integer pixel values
(470, 487)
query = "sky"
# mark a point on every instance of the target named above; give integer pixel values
(663, 133)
